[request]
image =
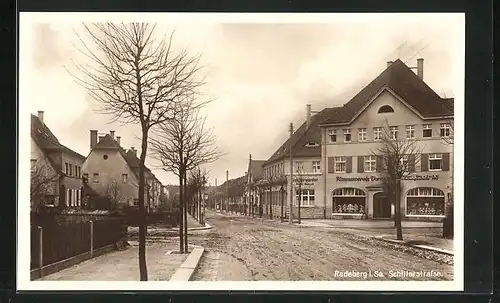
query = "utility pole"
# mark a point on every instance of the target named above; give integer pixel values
(290, 213)
(214, 198)
(227, 189)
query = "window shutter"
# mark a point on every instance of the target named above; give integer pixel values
(331, 165)
(348, 164)
(411, 163)
(446, 162)
(379, 164)
(361, 164)
(424, 162)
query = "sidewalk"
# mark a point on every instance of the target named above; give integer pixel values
(124, 266)
(192, 225)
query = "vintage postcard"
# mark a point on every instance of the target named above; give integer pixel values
(241, 151)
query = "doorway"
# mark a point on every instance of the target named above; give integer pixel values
(381, 206)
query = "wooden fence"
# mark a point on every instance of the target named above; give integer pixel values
(60, 241)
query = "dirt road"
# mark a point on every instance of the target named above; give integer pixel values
(246, 249)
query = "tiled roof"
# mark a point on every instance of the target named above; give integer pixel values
(47, 141)
(304, 136)
(255, 167)
(107, 142)
(236, 187)
(407, 85)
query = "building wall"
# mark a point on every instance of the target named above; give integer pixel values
(73, 182)
(401, 117)
(110, 170)
(43, 162)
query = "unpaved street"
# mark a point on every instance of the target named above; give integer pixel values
(249, 249)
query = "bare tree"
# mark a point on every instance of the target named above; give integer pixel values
(114, 194)
(181, 145)
(398, 156)
(43, 184)
(282, 182)
(136, 78)
(299, 182)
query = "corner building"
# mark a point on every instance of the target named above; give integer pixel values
(350, 136)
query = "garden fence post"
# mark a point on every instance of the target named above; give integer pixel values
(91, 238)
(40, 255)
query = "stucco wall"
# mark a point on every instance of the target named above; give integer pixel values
(401, 117)
(111, 169)
(42, 161)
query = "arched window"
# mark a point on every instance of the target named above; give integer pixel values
(425, 201)
(348, 200)
(385, 109)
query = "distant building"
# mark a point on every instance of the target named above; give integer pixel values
(113, 172)
(253, 193)
(56, 170)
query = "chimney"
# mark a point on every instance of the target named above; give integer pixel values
(420, 68)
(308, 115)
(118, 139)
(134, 151)
(112, 134)
(40, 116)
(389, 63)
(250, 157)
(93, 138)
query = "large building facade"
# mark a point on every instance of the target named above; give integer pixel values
(338, 171)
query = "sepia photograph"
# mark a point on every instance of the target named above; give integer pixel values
(241, 151)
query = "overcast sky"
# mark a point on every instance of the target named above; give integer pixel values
(263, 74)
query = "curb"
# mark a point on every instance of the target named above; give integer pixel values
(186, 270)
(424, 247)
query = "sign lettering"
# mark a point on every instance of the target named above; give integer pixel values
(378, 178)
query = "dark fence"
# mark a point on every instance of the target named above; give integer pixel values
(63, 239)
(168, 218)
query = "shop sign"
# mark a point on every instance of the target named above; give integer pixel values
(378, 178)
(306, 181)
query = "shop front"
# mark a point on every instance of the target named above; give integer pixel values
(423, 197)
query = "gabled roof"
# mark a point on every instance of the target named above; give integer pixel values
(255, 168)
(48, 142)
(303, 136)
(406, 84)
(107, 142)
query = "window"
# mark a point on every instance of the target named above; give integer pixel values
(362, 134)
(33, 165)
(348, 191)
(306, 197)
(78, 171)
(340, 164)
(425, 201)
(394, 132)
(124, 178)
(427, 130)
(404, 162)
(70, 170)
(347, 135)
(86, 176)
(435, 161)
(385, 109)
(332, 133)
(445, 129)
(410, 131)
(349, 200)
(66, 170)
(136, 201)
(377, 133)
(96, 178)
(316, 166)
(370, 164)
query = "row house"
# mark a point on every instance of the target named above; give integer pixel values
(56, 170)
(113, 172)
(335, 152)
(253, 185)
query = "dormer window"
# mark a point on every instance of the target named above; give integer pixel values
(385, 109)
(312, 144)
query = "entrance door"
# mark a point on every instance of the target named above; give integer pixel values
(381, 206)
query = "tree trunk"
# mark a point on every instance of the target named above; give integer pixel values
(143, 271)
(185, 219)
(270, 204)
(181, 218)
(397, 208)
(282, 206)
